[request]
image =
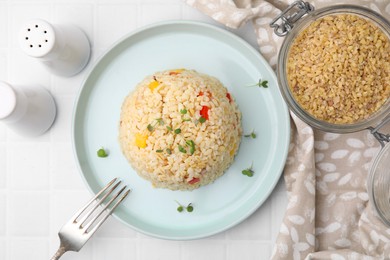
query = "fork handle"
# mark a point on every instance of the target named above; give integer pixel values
(59, 253)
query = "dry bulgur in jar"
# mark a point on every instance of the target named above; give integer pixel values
(338, 68)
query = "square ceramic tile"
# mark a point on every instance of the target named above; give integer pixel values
(3, 131)
(74, 1)
(165, 2)
(61, 129)
(3, 212)
(161, 249)
(113, 2)
(98, 53)
(217, 237)
(3, 248)
(85, 253)
(114, 249)
(3, 26)
(28, 214)
(253, 228)
(3, 165)
(114, 21)
(113, 228)
(281, 186)
(25, 70)
(203, 249)
(159, 12)
(245, 32)
(19, 14)
(279, 205)
(15, 137)
(64, 172)
(3, 66)
(64, 204)
(68, 87)
(191, 13)
(29, 166)
(248, 251)
(22, 249)
(80, 15)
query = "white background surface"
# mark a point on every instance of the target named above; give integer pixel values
(40, 187)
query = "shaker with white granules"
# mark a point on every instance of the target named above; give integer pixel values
(27, 110)
(63, 49)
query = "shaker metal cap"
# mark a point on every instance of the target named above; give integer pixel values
(7, 100)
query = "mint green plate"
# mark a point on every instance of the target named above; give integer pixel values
(207, 49)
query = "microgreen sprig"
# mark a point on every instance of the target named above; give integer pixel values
(181, 208)
(248, 171)
(184, 112)
(251, 134)
(261, 83)
(181, 149)
(190, 208)
(160, 121)
(191, 144)
(151, 127)
(167, 150)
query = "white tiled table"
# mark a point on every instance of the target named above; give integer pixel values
(40, 187)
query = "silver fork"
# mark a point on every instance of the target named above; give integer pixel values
(76, 232)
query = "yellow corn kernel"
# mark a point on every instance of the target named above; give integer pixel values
(233, 150)
(154, 84)
(140, 140)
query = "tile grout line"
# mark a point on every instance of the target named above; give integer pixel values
(6, 188)
(7, 165)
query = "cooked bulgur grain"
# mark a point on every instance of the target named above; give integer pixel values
(338, 68)
(163, 137)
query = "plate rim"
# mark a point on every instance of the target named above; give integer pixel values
(200, 24)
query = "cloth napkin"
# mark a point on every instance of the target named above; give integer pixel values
(328, 214)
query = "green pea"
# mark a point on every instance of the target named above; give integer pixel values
(102, 153)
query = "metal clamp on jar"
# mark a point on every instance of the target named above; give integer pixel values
(378, 183)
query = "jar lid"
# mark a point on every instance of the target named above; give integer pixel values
(7, 100)
(379, 184)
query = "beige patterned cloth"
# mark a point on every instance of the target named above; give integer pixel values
(328, 214)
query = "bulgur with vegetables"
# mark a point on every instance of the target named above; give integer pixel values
(180, 129)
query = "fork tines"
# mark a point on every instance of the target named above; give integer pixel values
(97, 210)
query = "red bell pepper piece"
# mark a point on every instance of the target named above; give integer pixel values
(204, 112)
(229, 97)
(194, 180)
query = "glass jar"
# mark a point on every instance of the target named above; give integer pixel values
(379, 184)
(291, 25)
